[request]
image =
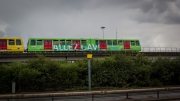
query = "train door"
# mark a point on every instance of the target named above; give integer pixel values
(103, 44)
(76, 44)
(126, 44)
(47, 44)
(3, 44)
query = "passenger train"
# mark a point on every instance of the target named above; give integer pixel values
(68, 45)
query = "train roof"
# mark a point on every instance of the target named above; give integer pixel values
(10, 38)
(88, 38)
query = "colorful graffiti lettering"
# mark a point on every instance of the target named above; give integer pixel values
(70, 47)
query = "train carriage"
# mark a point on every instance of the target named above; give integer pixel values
(54, 44)
(11, 44)
(82, 44)
(117, 44)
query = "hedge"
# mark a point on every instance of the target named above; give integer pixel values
(120, 70)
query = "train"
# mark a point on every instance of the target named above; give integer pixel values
(15, 44)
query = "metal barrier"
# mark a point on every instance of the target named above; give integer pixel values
(84, 93)
(143, 49)
(160, 49)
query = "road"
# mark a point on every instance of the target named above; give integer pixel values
(110, 97)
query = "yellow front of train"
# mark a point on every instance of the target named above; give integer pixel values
(11, 44)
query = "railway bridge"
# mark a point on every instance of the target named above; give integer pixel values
(151, 52)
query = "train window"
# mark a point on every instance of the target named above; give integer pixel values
(4, 42)
(126, 42)
(114, 42)
(132, 43)
(83, 42)
(45, 42)
(50, 42)
(62, 42)
(39, 42)
(109, 42)
(33, 42)
(120, 42)
(68, 42)
(103, 42)
(18, 42)
(11, 42)
(137, 43)
(1, 42)
(96, 42)
(55, 42)
(74, 42)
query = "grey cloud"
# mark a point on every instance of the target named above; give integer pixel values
(2, 34)
(13, 10)
(158, 11)
(172, 18)
(147, 5)
(11, 32)
(33, 15)
(153, 10)
(178, 4)
(161, 5)
(113, 3)
(144, 5)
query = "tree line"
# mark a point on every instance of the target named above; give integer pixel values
(116, 71)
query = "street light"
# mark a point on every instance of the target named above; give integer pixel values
(103, 31)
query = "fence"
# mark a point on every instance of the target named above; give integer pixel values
(160, 49)
(84, 93)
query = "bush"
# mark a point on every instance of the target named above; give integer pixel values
(44, 74)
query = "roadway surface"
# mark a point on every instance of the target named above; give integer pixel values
(149, 96)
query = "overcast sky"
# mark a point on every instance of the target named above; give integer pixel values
(155, 22)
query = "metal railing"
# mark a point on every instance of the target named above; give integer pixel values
(143, 49)
(160, 49)
(85, 93)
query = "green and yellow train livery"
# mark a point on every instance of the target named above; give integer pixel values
(82, 44)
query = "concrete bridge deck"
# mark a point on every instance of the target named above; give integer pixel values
(73, 56)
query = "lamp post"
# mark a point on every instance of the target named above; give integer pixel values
(103, 31)
(89, 56)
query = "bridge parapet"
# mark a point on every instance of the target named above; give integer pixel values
(160, 49)
(73, 56)
(83, 54)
